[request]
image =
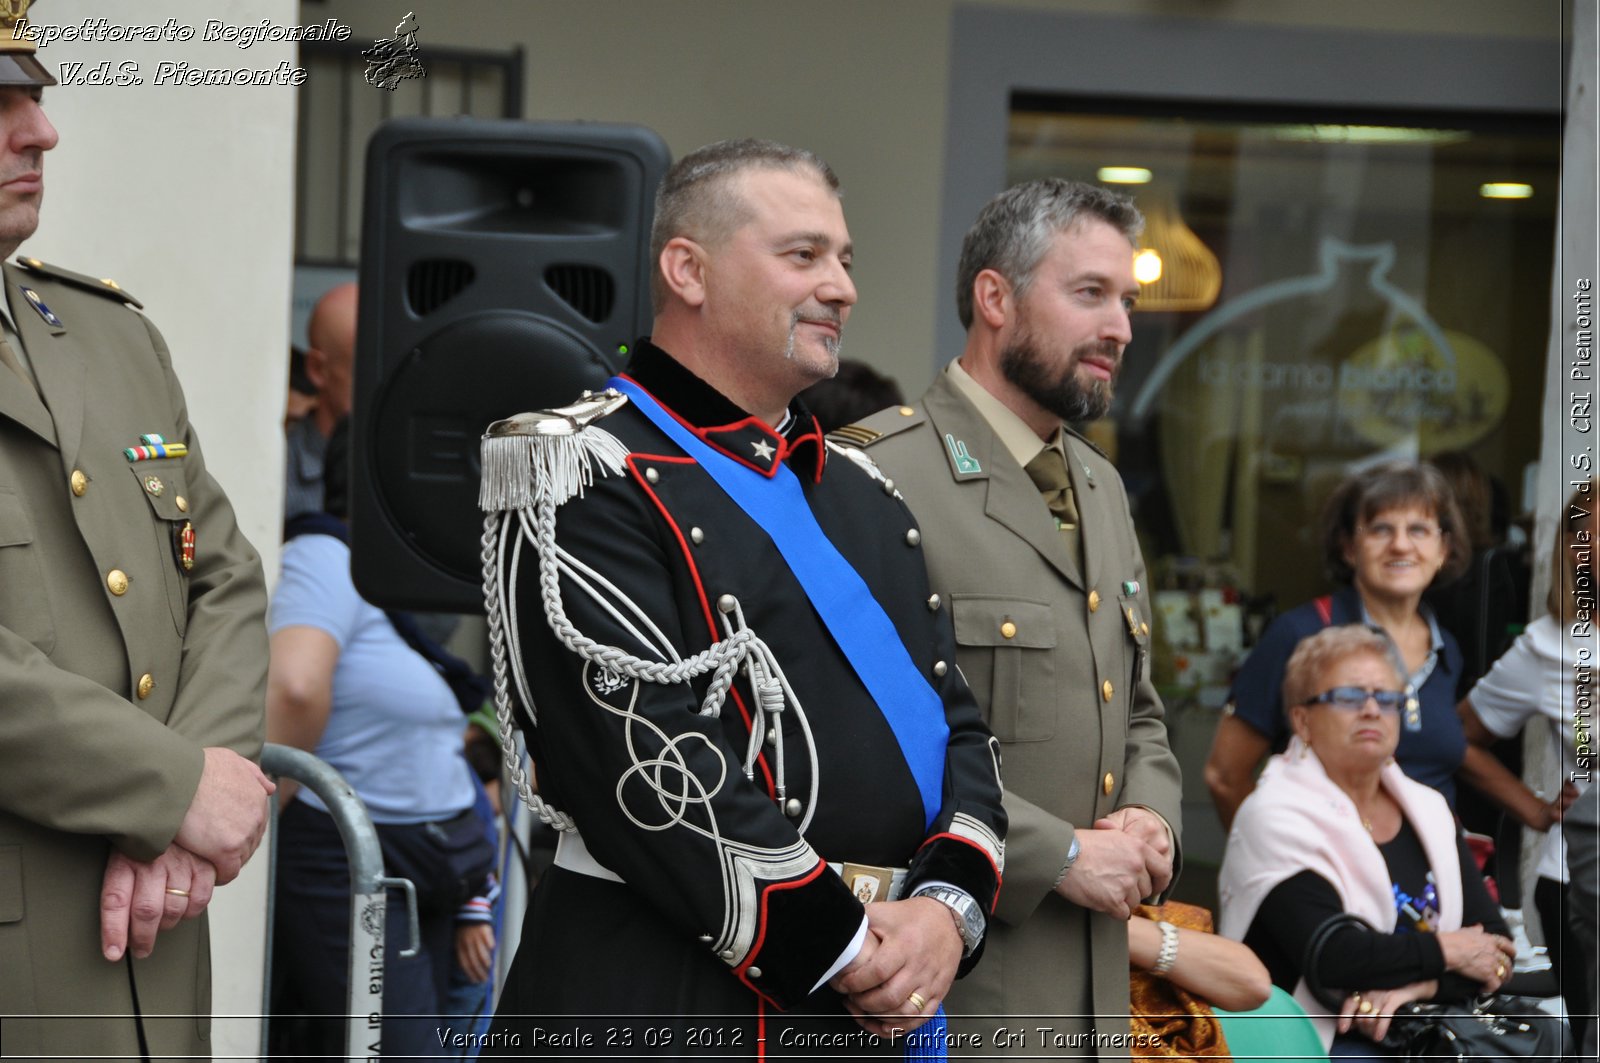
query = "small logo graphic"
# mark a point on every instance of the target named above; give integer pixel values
(372, 919)
(866, 888)
(606, 681)
(394, 59)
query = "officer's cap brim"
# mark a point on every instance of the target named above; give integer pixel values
(19, 68)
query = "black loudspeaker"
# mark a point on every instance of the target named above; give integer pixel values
(504, 268)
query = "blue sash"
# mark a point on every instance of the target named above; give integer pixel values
(841, 598)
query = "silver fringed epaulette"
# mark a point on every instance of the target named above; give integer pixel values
(549, 455)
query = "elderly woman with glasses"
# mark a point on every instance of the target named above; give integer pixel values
(1336, 827)
(1389, 532)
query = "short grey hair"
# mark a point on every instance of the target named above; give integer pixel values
(695, 198)
(1014, 230)
(1317, 653)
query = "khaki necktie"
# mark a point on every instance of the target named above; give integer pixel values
(1048, 471)
(9, 357)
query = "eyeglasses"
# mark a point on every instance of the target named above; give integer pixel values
(1382, 531)
(1354, 699)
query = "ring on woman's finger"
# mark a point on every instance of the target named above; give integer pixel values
(177, 893)
(1365, 1008)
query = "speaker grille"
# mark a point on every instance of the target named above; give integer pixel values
(435, 281)
(587, 289)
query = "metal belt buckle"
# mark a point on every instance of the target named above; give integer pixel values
(868, 883)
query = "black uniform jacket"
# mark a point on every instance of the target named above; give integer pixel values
(712, 861)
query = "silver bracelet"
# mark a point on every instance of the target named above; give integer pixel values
(1169, 949)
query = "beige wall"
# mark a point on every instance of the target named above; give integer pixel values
(863, 82)
(184, 196)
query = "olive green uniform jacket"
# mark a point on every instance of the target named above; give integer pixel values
(1059, 664)
(107, 700)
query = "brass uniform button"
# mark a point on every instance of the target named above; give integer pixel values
(1108, 784)
(147, 683)
(182, 504)
(1094, 600)
(1008, 630)
(117, 582)
(1106, 690)
(79, 482)
(906, 411)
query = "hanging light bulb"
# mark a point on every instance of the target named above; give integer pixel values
(1147, 266)
(1177, 270)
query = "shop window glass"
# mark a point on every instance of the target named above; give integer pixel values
(1335, 288)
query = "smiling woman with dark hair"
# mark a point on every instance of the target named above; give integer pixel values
(1389, 533)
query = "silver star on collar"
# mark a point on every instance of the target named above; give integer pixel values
(763, 449)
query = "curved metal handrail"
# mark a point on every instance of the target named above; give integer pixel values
(368, 900)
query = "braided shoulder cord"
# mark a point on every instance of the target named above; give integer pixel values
(722, 658)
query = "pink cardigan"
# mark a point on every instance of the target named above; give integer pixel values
(1298, 820)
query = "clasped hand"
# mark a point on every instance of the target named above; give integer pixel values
(224, 824)
(1124, 858)
(912, 947)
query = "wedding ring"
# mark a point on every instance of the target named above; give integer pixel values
(177, 893)
(1499, 970)
(917, 1002)
(1366, 1007)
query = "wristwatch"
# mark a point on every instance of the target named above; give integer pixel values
(969, 917)
(1072, 855)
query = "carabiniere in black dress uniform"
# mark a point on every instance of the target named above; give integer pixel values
(697, 882)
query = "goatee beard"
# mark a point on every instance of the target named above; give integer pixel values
(831, 344)
(1028, 370)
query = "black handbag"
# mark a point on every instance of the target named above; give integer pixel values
(1493, 1027)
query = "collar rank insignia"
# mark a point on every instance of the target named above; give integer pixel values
(38, 305)
(763, 449)
(965, 462)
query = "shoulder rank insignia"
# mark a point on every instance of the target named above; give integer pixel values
(102, 285)
(854, 435)
(549, 455)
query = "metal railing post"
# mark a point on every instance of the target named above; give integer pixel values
(368, 903)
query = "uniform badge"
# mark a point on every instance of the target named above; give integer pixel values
(38, 305)
(1133, 620)
(965, 462)
(865, 888)
(183, 545)
(151, 451)
(154, 485)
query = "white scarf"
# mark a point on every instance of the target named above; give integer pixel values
(1298, 819)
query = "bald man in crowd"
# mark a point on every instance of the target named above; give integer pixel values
(330, 363)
